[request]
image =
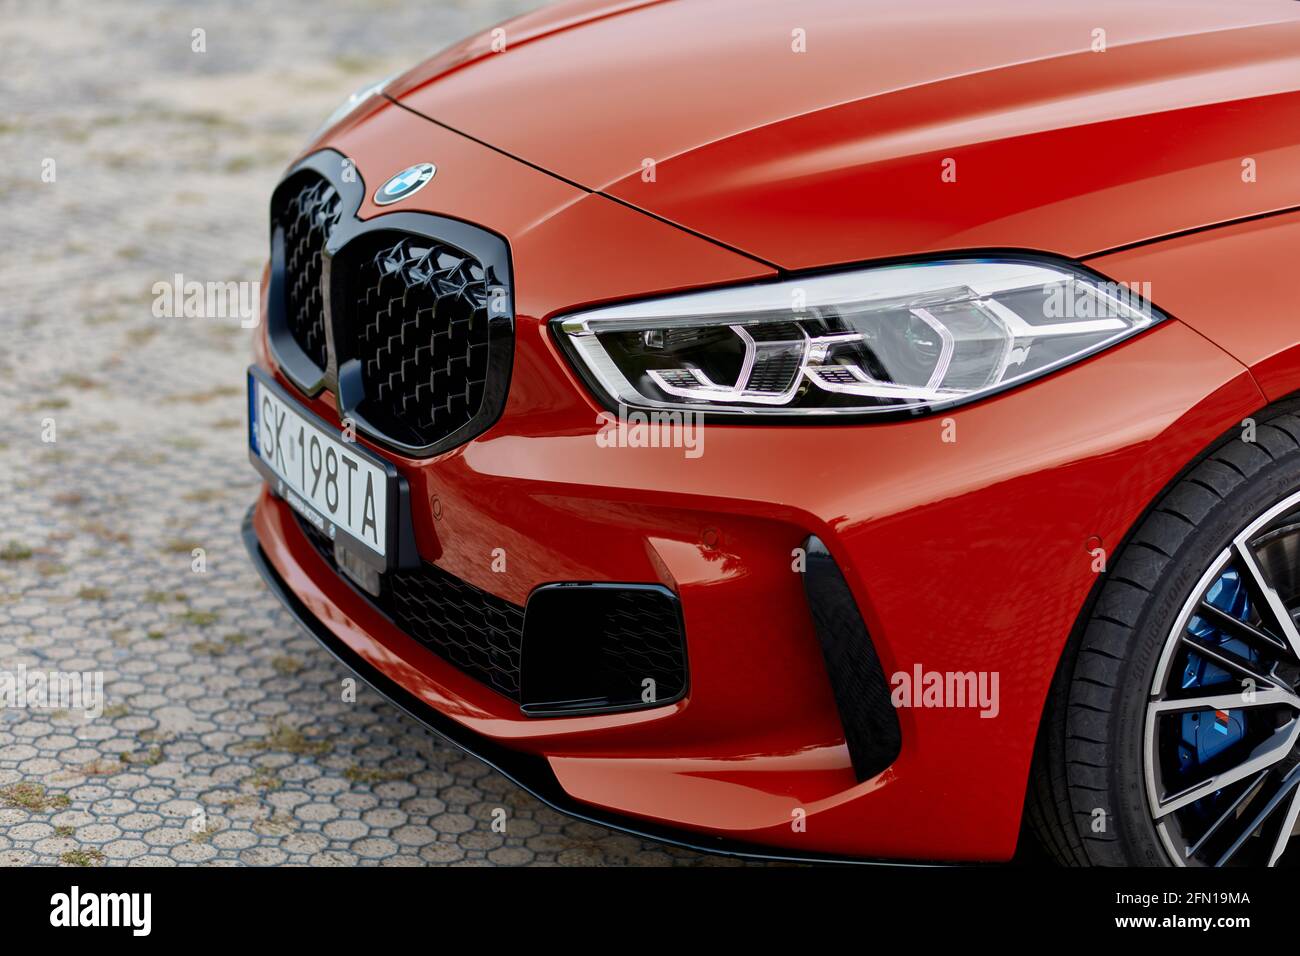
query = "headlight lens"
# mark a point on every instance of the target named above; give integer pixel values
(351, 103)
(912, 337)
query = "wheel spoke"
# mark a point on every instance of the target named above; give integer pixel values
(1273, 608)
(1263, 697)
(1230, 813)
(1227, 659)
(1285, 794)
(1269, 752)
(1288, 825)
(1244, 630)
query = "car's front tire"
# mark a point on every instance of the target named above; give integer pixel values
(1170, 734)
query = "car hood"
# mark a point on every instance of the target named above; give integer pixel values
(844, 130)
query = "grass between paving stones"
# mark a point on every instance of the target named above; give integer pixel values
(286, 739)
(371, 775)
(32, 796)
(81, 857)
(15, 551)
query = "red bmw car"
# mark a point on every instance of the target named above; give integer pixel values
(837, 430)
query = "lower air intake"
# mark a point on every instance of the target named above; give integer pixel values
(576, 649)
(602, 647)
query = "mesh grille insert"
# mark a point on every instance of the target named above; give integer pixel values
(419, 327)
(476, 631)
(307, 216)
(643, 639)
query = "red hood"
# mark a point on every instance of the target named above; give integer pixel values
(838, 153)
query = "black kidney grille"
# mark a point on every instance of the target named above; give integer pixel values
(477, 632)
(307, 217)
(421, 334)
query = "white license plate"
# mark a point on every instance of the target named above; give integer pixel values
(329, 481)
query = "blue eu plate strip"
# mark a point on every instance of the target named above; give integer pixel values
(252, 415)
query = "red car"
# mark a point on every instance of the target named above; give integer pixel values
(823, 430)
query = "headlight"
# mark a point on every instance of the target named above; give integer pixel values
(351, 103)
(912, 337)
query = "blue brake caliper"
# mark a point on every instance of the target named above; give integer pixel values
(1207, 733)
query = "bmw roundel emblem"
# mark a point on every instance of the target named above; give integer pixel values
(409, 180)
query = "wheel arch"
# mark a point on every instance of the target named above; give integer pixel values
(1059, 685)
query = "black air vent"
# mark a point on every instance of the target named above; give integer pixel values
(870, 722)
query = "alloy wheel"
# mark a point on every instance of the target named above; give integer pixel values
(1222, 732)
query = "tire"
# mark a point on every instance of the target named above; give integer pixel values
(1089, 762)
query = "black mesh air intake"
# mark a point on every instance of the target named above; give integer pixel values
(602, 647)
(310, 209)
(476, 631)
(871, 728)
(585, 647)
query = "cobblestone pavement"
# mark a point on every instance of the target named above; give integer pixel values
(220, 714)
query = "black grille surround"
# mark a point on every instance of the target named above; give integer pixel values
(407, 317)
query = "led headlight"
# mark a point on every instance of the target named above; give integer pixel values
(906, 337)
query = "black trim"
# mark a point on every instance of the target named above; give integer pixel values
(870, 722)
(296, 364)
(530, 772)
